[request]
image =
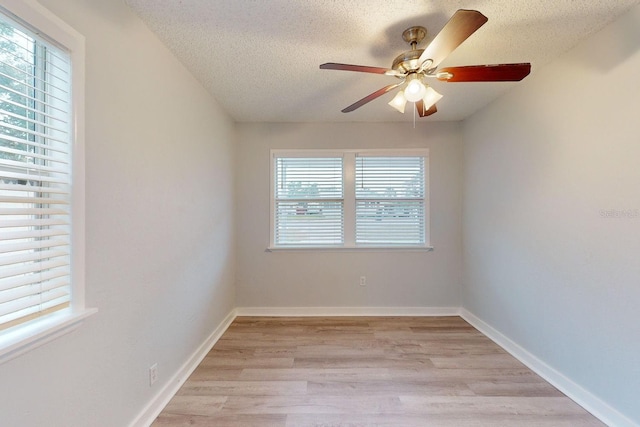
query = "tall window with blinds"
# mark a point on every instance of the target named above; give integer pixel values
(390, 200)
(349, 199)
(35, 175)
(309, 201)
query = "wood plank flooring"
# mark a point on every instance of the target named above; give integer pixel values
(365, 371)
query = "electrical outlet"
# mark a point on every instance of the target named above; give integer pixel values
(153, 374)
(363, 280)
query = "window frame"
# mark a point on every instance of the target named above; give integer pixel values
(32, 334)
(349, 197)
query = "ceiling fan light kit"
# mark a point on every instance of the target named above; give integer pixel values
(415, 89)
(431, 97)
(414, 66)
(399, 102)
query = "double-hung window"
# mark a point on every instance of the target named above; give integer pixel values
(41, 177)
(349, 199)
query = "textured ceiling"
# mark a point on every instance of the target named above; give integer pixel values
(260, 58)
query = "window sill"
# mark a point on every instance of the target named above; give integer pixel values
(350, 249)
(37, 333)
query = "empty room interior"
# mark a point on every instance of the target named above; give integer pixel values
(241, 251)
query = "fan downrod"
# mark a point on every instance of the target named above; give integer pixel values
(414, 35)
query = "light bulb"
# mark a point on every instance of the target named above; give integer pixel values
(399, 102)
(415, 90)
(430, 97)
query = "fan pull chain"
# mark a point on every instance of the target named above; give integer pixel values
(414, 115)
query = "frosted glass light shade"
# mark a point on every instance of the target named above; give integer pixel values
(430, 97)
(415, 90)
(399, 101)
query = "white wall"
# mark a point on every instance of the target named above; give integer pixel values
(330, 279)
(542, 262)
(159, 231)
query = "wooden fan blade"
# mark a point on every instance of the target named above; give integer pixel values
(462, 24)
(371, 97)
(359, 68)
(485, 73)
(422, 112)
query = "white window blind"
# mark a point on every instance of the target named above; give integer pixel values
(35, 175)
(350, 199)
(309, 204)
(390, 200)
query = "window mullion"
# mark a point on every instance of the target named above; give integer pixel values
(349, 169)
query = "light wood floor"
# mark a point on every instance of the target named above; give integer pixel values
(365, 371)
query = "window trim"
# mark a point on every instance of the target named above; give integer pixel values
(30, 335)
(349, 198)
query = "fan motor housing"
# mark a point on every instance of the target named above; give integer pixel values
(407, 61)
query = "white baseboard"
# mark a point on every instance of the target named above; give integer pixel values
(574, 391)
(160, 400)
(346, 311)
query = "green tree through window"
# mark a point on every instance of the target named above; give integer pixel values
(17, 97)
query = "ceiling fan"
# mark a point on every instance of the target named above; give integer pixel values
(414, 66)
